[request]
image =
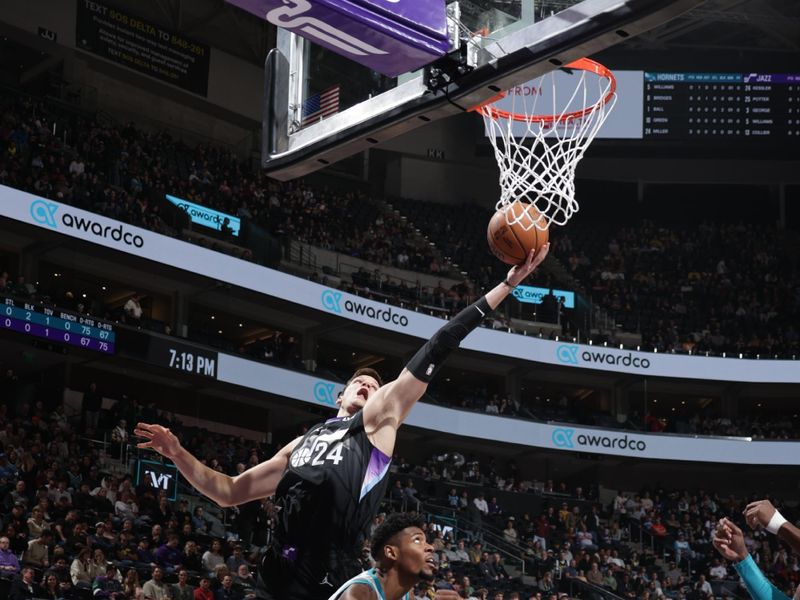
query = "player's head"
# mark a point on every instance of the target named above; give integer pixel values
(399, 543)
(358, 389)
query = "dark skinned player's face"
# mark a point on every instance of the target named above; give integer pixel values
(415, 555)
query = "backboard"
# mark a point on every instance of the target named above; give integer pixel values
(321, 107)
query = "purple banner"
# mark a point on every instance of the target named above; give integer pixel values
(780, 78)
(391, 38)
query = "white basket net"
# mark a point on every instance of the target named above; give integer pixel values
(539, 134)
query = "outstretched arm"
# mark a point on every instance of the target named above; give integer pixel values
(763, 514)
(729, 542)
(390, 405)
(258, 482)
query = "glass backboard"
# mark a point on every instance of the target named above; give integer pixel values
(321, 107)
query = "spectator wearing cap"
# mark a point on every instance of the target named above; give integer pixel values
(107, 585)
(475, 553)
(9, 564)
(510, 533)
(236, 559)
(204, 591)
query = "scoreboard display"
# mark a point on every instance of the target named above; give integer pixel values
(56, 325)
(683, 106)
(738, 108)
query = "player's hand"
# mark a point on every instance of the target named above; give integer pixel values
(757, 514)
(729, 541)
(159, 438)
(519, 272)
(447, 595)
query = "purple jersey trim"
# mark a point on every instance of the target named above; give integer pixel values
(376, 470)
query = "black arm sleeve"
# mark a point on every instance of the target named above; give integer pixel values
(429, 359)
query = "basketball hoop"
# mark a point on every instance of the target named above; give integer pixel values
(542, 172)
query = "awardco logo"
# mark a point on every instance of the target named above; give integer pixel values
(332, 301)
(45, 213)
(569, 354)
(562, 437)
(323, 393)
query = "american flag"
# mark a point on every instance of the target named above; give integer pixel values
(321, 105)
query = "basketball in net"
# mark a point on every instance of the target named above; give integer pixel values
(513, 232)
(539, 132)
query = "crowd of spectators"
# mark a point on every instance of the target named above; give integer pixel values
(73, 525)
(653, 543)
(698, 288)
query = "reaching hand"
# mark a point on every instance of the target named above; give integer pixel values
(759, 513)
(519, 272)
(160, 439)
(729, 541)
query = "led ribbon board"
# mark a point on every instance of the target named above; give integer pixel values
(207, 217)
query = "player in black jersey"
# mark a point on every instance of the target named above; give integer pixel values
(328, 483)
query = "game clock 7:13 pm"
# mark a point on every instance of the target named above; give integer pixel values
(178, 356)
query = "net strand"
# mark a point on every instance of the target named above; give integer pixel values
(542, 174)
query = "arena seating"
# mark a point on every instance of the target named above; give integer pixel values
(667, 281)
(546, 535)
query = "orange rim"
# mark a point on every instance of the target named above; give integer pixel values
(583, 64)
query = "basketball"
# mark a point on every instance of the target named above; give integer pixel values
(512, 243)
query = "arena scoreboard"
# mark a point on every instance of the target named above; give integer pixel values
(56, 325)
(741, 108)
(721, 106)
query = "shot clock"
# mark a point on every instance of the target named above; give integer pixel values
(56, 325)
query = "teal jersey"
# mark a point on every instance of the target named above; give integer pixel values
(369, 578)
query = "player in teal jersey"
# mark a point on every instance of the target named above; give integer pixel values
(403, 558)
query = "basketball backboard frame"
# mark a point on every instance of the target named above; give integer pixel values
(505, 58)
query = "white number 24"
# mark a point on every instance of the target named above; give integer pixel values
(335, 454)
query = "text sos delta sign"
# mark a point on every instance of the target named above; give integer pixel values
(207, 217)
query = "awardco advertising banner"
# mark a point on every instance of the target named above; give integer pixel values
(90, 227)
(142, 46)
(207, 217)
(307, 388)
